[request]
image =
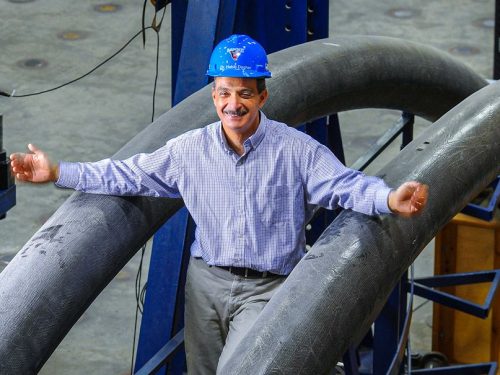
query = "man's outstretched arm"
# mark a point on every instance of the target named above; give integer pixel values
(35, 167)
(153, 174)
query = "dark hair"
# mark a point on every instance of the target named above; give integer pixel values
(261, 84)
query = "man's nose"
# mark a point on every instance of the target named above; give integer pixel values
(234, 101)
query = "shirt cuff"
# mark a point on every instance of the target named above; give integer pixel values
(69, 175)
(382, 200)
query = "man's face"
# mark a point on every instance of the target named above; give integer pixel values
(238, 103)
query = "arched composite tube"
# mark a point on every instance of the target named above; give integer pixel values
(336, 291)
(65, 265)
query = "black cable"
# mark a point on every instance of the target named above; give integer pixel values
(2, 93)
(156, 73)
(421, 305)
(140, 294)
(137, 306)
(156, 28)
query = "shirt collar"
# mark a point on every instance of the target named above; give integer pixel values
(258, 136)
(255, 139)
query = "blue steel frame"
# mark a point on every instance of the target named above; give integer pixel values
(489, 368)
(392, 332)
(423, 288)
(7, 187)
(485, 213)
(7, 200)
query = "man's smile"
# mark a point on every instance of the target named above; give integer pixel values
(237, 113)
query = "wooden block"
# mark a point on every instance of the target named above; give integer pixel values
(467, 244)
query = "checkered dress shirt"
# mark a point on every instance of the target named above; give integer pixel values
(250, 210)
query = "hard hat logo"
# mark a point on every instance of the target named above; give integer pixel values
(235, 52)
(238, 56)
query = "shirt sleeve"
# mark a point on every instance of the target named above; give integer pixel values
(330, 184)
(155, 174)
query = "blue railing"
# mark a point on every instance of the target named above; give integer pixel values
(7, 187)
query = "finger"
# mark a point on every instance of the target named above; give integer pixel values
(409, 188)
(412, 184)
(422, 193)
(15, 163)
(33, 148)
(19, 169)
(16, 157)
(22, 177)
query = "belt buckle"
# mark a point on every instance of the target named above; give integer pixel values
(246, 273)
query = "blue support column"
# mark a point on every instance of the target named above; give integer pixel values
(276, 24)
(196, 47)
(388, 328)
(161, 307)
(7, 187)
(178, 20)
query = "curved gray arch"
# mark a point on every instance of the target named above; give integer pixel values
(77, 252)
(337, 290)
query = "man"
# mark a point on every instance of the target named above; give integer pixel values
(247, 182)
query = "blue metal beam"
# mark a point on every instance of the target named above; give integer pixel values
(424, 288)
(164, 294)
(7, 187)
(485, 213)
(163, 355)
(197, 43)
(7, 200)
(488, 368)
(388, 329)
(403, 126)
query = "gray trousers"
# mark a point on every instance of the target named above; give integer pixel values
(220, 309)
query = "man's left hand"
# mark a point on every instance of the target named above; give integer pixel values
(409, 199)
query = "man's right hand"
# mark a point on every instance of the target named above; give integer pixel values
(34, 167)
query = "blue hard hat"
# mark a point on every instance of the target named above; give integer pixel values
(238, 56)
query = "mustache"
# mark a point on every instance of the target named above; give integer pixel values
(238, 112)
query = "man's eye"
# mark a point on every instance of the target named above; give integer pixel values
(246, 95)
(223, 93)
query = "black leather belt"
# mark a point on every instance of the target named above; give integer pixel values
(248, 272)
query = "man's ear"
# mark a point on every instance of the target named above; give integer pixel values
(213, 89)
(263, 98)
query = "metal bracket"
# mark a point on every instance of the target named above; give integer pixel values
(423, 287)
(163, 355)
(7, 200)
(489, 368)
(485, 213)
(7, 187)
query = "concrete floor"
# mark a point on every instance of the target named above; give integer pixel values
(95, 116)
